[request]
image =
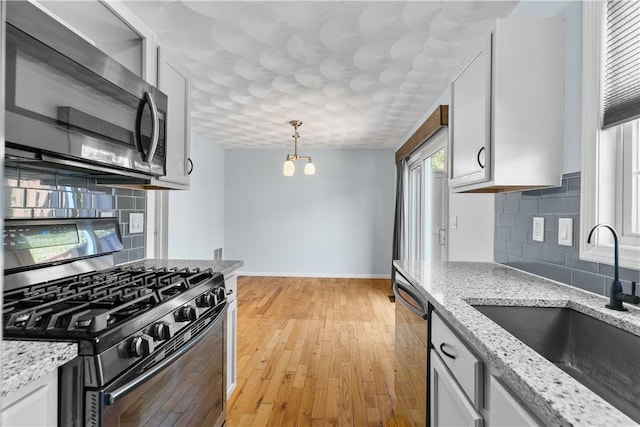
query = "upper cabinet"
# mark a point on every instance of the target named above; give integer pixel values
(506, 127)
(173, 80)
(112, 28)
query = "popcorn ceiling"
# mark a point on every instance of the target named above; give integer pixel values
(358, 74)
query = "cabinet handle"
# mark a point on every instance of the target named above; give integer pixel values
(190, 165)
(480, 151)
(445, 352)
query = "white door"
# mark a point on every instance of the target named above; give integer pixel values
(428, 196)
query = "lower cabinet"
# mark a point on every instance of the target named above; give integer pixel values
(35, 404)
(505, 409)
(231, 283)
(465, 390)
(449, 404)
(232, 346)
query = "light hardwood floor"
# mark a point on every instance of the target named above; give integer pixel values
(313, 352)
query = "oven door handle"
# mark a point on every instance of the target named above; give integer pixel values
(111, 397)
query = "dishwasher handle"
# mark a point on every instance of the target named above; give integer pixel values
(422, 311)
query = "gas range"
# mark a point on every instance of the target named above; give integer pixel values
(134, 309)
(61, 285)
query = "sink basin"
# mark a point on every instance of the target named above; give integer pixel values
(602, 357)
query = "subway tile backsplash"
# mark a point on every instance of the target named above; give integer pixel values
(31, 194)
(515, 247)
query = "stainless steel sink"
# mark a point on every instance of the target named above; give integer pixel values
(604, 358)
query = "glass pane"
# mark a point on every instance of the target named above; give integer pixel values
(635, 179)
(435, 191)
(415, 217)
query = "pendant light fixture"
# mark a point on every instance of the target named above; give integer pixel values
(289, 168)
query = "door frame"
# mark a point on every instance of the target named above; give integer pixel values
(433, 144)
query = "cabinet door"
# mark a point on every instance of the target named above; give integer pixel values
(449, 405)
(232, 346)
(470, 122)
(111, 27)
(505, 409)
(173, 80)
(35, 404)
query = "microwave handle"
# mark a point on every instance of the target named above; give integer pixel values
(155, 133)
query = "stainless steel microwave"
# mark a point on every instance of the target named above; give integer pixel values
(70, 106)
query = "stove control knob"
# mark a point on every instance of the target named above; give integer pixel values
(186, 314)
(161, 331)
(141, 346)
(206, 300)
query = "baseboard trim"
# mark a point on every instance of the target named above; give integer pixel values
(316, 275)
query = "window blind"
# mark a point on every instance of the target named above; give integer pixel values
(621, 91)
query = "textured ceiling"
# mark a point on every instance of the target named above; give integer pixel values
(358, 74)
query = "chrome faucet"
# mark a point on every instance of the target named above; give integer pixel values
(616, 294)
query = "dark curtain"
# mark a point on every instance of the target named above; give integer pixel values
(399, 221)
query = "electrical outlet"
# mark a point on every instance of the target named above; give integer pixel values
(136, 223)
(565, 231)
(538, 229)
(453, 222)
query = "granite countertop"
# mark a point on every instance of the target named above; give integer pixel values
(26, 361)
(555, 397)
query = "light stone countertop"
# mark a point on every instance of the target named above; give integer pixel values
(556, 397)
(26, 361)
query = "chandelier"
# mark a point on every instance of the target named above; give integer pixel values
(289, 167)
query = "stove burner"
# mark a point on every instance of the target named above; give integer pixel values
(85, 320)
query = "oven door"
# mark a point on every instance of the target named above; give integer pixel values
(188, 388)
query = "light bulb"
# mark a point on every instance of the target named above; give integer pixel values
(309, 169)
(288, 168)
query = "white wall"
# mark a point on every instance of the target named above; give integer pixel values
(196, 217)
(337, 223)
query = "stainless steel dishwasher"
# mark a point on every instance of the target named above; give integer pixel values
(412, 342)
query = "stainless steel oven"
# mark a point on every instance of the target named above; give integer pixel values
(151, 341)
(70, 106)
(180, 384)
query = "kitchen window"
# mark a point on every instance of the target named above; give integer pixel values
(611, 129)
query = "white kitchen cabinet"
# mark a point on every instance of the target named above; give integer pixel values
(505, 410)
(449, 405)
(465, 366)
(173, 80)
(35, 404)
(464, 387)
(231, 284)
(113, 28)
(506, 118)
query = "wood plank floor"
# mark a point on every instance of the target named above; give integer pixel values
(313, 352)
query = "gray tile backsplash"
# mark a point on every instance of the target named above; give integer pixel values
(515, 247)
(30, 194)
